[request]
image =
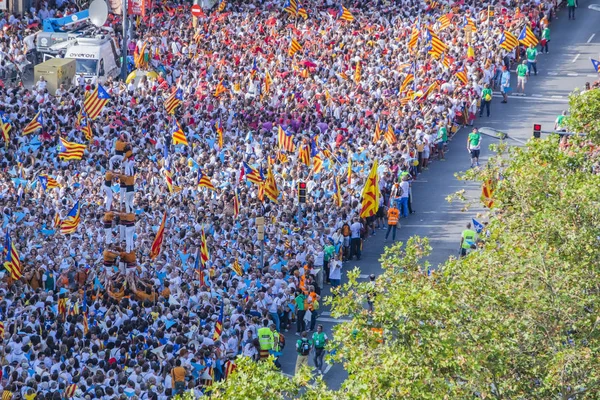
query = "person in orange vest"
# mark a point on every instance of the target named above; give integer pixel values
(393, 214)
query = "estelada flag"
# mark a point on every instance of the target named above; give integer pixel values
(158, 240)
(487, 191)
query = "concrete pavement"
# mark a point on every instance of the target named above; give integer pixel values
(566, 67)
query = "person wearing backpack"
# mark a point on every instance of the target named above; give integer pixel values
(486, 99)
(303, 347)
(319, 339)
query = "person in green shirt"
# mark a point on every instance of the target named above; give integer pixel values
(522, 72)
(545, 39)
(571, 6)
(474, 146)
(560, 121)
(300, 312)
(303, 347)
(319, 339)
(486, 100)
(532, 59)
(441, 139)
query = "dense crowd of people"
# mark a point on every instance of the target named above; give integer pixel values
(102, 310)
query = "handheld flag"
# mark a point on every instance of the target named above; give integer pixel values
(302, 12)
(344, 14)
(268, 81)
(271, 186)
(461, 74)
(6, 127)
(414, 39)
(349, 178)
(236, 204)
(237, 268)
(220, 88)
(295, 47)
(174, 101)
(48, 182)
(222, 5)
(596, 65)
(286, 140)
(390, 135)
(371, 193)
(219, 128)
(477, 225)
(12, 263)
(487, 191)
(71, 221)
(527, 37)
(508, 41)
(158, 240)
(86, 128)
(291, 7)
(204, 255)
(377, 133)
(337, 193)
(169, 178)
(444, 21)
(36, 123)
(95, 102)
(204, 181)
(70, 150)
(178, 135)
(252, 174)
(219, 323)
(304, 155)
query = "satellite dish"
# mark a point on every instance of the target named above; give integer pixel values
(98, 12)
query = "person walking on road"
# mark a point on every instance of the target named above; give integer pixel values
(532, 54)
(505, 83)
(319, 340)
(355, 240)
(486, 99)
(545, 39)
(474, 146)
(303, 347)
(467, 240)
(571, 4)
(393, 214)
(522, 73)
(300, 312)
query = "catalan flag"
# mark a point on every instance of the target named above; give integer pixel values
(74, 309)
(177, 134)
(204, 181)
(169, 178)
(70, 390)
(12, 263)
(219, 323)
(254, 69)
(204, 255)
(444, 21)
(1, 329)
(390, 135)
(527, 37)
(268, 81)
(57, 221)
(337, 192)
(349, 177)
(236, 203)
(71, 222)
(344, 14)
(377, 133)
(295, 47)
(62, 306)
(158, 239)
(371, 193)
(447, 61)
(36, 123)
(433, 87)
(138, 58)
(271, 186)
(237, 268)
(286, 139)
(595, 64)
(487, 193)
(47, 182)
(222, 5)
(291, 7)
(95, 102)
(5, 126)
(408, 79)
(357, 72)
(302, 12)
(219, 129)
(86, 128)
(508, 41)
(7, 395)
(304, 155)
(70, 150)
(414, 39)
(173, 101)
(220, 88)
(282, 157)
(461, 74)
(317, 164)
(436, 46)
(468, 22)
(252, 174)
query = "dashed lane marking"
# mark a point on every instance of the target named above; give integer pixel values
(591, 38)
(576, 57)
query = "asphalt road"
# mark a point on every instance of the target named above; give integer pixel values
(565, 68)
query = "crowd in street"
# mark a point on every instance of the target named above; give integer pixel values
(102, 309)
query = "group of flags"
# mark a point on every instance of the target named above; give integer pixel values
(294, 9)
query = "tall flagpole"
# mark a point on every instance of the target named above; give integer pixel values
(124, 46)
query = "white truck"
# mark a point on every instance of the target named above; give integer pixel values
(96, 57)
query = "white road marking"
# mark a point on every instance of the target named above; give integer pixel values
(591, 37)
(333, 320)
(327, 369)
(572, 73)
(555, 99)
(591, 75)
(363, 276)
(576, 57)
(595, 7)
(537, 95)
(553, 73)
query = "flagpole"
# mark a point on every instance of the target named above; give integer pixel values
(124, 49)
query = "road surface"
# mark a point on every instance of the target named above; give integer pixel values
(565, 68)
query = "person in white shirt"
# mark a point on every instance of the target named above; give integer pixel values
(355, 240)
(335, 271)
